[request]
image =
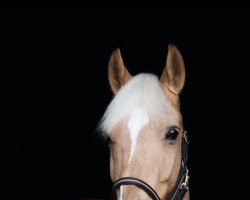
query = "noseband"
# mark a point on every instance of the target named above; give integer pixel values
(180, 188)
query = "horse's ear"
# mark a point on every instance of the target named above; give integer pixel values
(117, 73)
(173, 75)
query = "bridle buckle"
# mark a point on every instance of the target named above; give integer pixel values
(185, 185)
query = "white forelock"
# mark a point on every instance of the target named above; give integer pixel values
(143, 92)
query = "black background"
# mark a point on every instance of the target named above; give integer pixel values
(54, 90)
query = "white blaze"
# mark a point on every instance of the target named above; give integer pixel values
(138, 118)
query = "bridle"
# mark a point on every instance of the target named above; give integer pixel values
(180, 188)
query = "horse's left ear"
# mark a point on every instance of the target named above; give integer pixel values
(173, 75)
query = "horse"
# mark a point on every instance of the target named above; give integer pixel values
(144, 127)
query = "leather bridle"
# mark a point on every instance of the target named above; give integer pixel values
(180, 188)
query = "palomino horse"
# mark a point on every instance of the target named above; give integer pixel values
(148, 145)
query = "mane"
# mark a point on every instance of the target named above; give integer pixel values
(143, 92)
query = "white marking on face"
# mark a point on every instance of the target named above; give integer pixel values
(137, 120)
(120, 192)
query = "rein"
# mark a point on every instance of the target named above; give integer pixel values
(180, 188)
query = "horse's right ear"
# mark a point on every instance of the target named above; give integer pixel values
(117, 73)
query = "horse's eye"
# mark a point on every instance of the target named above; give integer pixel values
(172, 133)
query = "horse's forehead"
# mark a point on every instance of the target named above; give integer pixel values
(139, 119)
(140, 123)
